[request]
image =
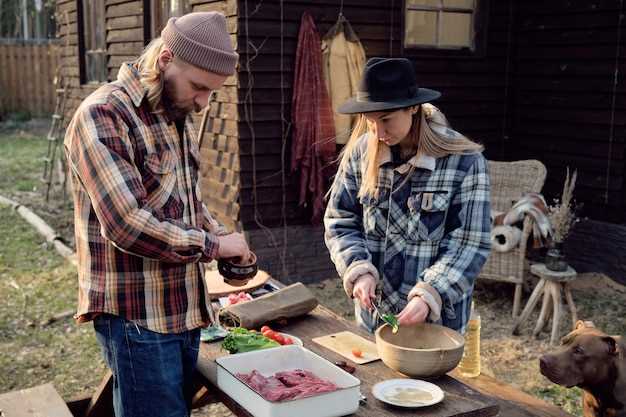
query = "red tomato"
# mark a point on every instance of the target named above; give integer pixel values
(288, 341)
(357, 352)
(269, 334)
(279, 338)
(264, 328)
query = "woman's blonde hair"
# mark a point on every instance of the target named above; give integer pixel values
(150, 73)
(422, 136)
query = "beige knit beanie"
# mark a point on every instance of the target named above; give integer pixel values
(202, 39)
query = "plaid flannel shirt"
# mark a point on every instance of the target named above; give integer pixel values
(429, 237)
(140, 225)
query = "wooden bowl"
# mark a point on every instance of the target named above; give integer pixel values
(421, 351)
(238, 272)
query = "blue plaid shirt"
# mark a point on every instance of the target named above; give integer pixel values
(433, 228)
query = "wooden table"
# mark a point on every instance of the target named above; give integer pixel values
(551, 285)
(461, 398)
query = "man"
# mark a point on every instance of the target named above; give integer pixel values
(141, 227)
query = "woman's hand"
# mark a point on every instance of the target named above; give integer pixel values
(416, 311)
(365, 290)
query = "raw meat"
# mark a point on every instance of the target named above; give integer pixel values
(287, 385)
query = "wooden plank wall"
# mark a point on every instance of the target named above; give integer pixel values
(124, 23)
(220, 150)
(474, 89)
(570, 98)
(124, 41)
(27, 77)
(67, 31)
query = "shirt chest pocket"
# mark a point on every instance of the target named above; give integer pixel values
(427, 215)
(159, 180)
(375, 211)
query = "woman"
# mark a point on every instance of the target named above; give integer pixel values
(409, 209)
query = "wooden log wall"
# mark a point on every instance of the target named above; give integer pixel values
(27, 77)
(570, 98)
(124, 26)
(474, 89)
(122, 44)
(220, 150)
(67, 30)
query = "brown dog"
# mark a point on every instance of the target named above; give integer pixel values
(595, 362)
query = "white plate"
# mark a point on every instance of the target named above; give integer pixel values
(385, 391)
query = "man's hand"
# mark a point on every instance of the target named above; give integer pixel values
(365, 290)
(416, 311)
(233, 245)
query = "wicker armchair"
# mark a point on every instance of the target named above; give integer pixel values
(509, 181)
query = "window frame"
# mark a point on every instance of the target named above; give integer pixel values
(87, 41)
(153, 11)
(481, 11)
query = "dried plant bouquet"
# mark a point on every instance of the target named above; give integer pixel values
(562, 213)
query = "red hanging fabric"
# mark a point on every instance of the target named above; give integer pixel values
(313, 146)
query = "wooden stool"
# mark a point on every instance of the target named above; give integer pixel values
(550, 285)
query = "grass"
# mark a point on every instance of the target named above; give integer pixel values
(21, 163)
(36, 284)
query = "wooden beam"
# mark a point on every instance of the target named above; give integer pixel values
(101, 403)
(125, 35)
(125, 9)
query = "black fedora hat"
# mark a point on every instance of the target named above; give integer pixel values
(387, 84)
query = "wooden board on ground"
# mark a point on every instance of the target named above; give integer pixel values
(42, 400)
(216, 286)
(344, 342)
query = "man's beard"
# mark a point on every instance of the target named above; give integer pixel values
(172, 111)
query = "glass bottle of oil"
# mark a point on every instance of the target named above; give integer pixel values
(469, 366)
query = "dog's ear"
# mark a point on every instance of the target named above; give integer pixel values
(611, 344)
(582, 324)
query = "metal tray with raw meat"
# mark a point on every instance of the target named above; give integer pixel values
(286, 358)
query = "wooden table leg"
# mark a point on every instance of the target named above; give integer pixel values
(543, 315)
(556, 317)
(532, 301)
(570, 302)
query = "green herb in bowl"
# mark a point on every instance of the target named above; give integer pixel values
(391, 320)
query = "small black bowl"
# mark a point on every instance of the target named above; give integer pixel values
(237, 272)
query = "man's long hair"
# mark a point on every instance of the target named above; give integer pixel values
(150, 74)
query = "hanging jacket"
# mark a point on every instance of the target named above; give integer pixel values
(343, 60)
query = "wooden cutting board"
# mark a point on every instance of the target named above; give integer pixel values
(343, 343)
(216, 287)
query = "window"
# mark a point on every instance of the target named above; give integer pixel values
(92, 41)
(162, 10)
(442, 24)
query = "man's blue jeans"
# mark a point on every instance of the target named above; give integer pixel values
(152, 372)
